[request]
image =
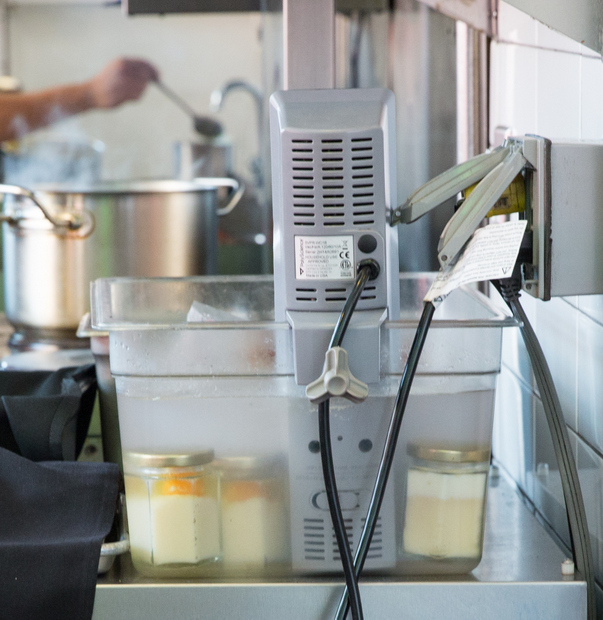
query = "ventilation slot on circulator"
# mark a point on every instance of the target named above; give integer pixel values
(349, 530)
(376, 549)
(302, 187)
(314, 539)
(363, 186)
(347, 176)
(338, 294)
(369, 293)
(333, 202)
(332, 161)
(305, 294)
(332, 186)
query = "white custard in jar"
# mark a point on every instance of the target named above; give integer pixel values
(444, 514)
(445, 502)
(254, 528)
(173, 511)
(184, 522)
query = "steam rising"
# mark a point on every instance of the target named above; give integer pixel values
(62, 154)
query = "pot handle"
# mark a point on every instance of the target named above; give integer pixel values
(237, 186)
(70, 221)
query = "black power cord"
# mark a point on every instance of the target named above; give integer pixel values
(389, 450)
(328, 472)
(366, 270)
(509, 289)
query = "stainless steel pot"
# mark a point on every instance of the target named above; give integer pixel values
(57, 239)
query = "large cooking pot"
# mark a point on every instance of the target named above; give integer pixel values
(59, 238)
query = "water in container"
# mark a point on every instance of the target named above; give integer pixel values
(228, 386)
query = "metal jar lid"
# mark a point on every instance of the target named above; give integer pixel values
(188, 459)
(248, 465)
(448, 455)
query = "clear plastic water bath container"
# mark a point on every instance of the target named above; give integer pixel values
(200, 365)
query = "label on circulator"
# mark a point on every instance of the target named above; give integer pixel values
(324, 258)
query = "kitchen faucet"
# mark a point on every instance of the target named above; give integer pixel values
(217, 99)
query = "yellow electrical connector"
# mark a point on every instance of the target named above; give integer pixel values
(513, 199)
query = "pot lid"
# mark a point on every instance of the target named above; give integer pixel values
(143, 186)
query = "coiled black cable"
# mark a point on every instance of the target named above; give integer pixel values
(389, 449)
(326, 454)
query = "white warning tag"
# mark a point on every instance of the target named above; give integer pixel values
(324, 258)
(490, 254)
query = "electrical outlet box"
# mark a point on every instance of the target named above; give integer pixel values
(564, 207)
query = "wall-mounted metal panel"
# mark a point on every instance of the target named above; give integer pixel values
(581, 20)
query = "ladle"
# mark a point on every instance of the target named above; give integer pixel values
(204, 125)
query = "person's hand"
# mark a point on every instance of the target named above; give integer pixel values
(122, 80)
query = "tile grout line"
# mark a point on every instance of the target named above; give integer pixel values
(549, 49)
(577, 341)
(587, 443)
(580, 100)
(537, 64)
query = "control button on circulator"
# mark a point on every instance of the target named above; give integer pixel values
(367, 244)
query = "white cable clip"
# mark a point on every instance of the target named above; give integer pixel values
(336, 380)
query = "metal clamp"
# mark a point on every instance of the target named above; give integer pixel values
(336, 380)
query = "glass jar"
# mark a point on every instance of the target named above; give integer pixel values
(173, 512)
(445, 502)
(255, 515)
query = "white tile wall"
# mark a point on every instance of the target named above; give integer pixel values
(547, 38)
(514, 352)
(513, 94)
(545, 83)
(557, 331)
(515, 25)
(591, 96)
(558, 84)
(546, 481)
(592, 306)
(590, 385)
(513, 432)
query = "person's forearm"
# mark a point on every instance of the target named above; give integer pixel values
(23, 112)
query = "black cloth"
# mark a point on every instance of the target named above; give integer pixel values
(44, 415)
(53, 518)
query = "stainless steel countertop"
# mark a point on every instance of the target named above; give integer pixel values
(519, 577)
